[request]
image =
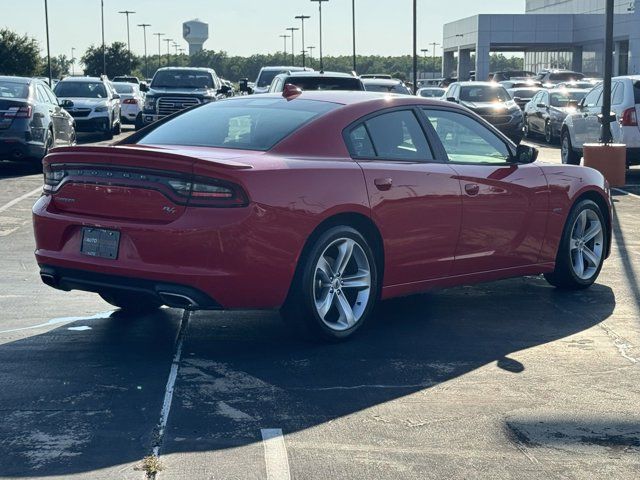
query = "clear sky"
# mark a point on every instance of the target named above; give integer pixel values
(243, 27)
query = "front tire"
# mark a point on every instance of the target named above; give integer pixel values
(582, 248)
(335, 288)
(131, 303)
(568, 154)
(548, 134)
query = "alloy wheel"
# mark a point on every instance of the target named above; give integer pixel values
(342, 284)
(586, 244)
(564, 149)
(548, 136)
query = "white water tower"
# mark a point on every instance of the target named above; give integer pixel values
(195, 33)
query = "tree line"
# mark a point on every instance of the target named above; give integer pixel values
(20, 55)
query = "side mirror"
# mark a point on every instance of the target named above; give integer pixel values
(244, 86)
(116, 96)
(144, 87)
(224, 89)
(452, 99)
(526, 154)
(541, 105)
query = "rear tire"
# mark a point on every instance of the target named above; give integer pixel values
(568, 154)
(335, 289)
(548, 134)
(117, 128)
(582, 248)
(131, 303)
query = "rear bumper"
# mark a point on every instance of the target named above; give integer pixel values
(98, 124)
(633, 156)
(20, 149)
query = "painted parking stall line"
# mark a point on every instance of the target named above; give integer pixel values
(275, 454)
(15, 201)
(624, 192)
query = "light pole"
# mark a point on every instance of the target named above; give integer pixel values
(424, 52)
(320, 2)
(353, 29)
(146, 63)
(159, 49)
(461, 36)
(104, 48)
(46, 21)
(607, 118)
(284, 37)
(293, 48)
(302, 18)
(168, 40)
(433, 54)
(73, 61)
(127, 13)
(415, 46)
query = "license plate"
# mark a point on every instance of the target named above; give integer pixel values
(98, 242)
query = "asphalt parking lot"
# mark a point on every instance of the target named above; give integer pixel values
(507, 380)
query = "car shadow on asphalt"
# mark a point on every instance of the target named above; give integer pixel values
(19, 169)
(81, 400)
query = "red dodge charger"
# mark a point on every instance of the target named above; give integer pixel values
(317, 203)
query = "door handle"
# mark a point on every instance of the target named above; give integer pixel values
(472, 189)
(383, 184)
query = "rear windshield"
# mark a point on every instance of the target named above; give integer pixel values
(81, 90)
(566, 76)
(394, 88)
(636, 91)
(182, 79)
(10, 89)
(326, 83)
(266, 77)
(524, 92)
(247, 124)
(562, 99)
(123, 87)
(484, 93)
(431, 93)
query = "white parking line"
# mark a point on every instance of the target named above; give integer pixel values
(7, 206)
(58, 321)
(275, 454)
(624, 192)
(168, 391)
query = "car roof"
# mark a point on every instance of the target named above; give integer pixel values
(630, 77)
(431, 88)
(564, 89)
(82, 79)
(348, 97)
(278, 68)
(381, 81)
(317, 74)
(198, 69)
(480, 84)
(24, 80)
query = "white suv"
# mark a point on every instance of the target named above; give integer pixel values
(267, 74)
(583, 125)
(92, 102)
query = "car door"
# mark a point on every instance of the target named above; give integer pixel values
(541, 111)
(60, 118)
(414, 195)
(586, 124)
(505, 204)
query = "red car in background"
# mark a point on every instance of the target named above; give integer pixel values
(317, 203)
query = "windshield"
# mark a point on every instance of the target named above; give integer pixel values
(326, 83)
(182, 79)
(432, 92)
(565, 76)
(123, 88)
(484, 94)
(266, 77)
(10, 89)
(388, 88)
(561, 99)
(247, 124)
(81, 90)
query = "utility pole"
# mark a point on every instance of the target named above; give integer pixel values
(104, 48)
(293, 49)
(127, 13)
(146, 60)
(73, 61)
(302, 18)
(284, 37)
(46, 21)
(415, 46)
(320, 19)
(168, 40)
(353, 20)
(159, 49)
(605, 135)
(433, 54)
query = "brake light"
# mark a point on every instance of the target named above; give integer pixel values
(52, 179)
(205, 192)
(130, 101)
(629, 118)
(19, 112)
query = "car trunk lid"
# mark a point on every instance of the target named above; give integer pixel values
(10, 109)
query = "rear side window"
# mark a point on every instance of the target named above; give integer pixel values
(398, 136)
(617, 97)
(247, 124)
(361, 145)
(636, 92)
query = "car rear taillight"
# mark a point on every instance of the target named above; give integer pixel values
(205, 192)
(629, 118)
(19, 112)
(52, 179)
(130, 101)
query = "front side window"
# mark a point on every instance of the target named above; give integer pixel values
(398, 136)
(248, 124)
(591, 100)
(466, 140)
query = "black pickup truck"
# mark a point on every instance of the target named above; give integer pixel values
(176, 88)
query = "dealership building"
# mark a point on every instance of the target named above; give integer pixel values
(551, 33)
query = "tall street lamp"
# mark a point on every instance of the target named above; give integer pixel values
(353, 30)
(415, 46)
(46, 21)
(146, 62)
(293, 48)
(607, 118)
(433, 54)
(159, 49)
(73, 61)
(104, 48)
(320, 2)
(424, 52)
(302, 18)
(127, 13)
(168, 40)
(284, 37)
